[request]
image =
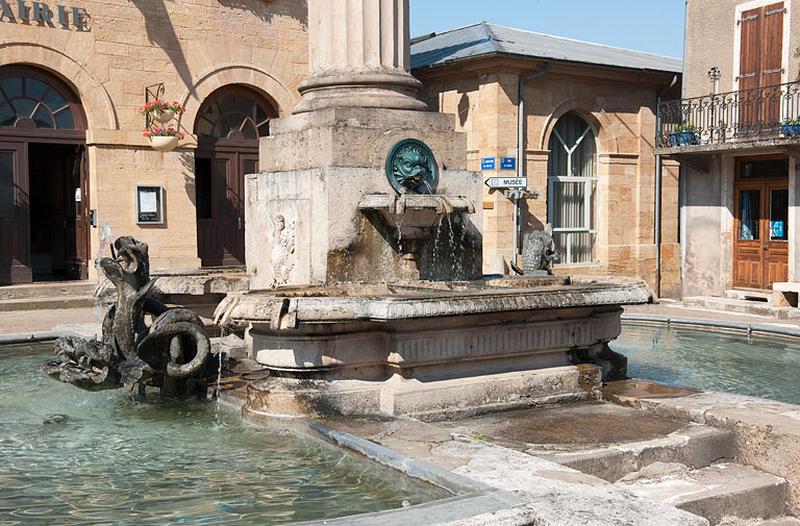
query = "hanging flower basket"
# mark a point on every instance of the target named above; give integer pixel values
(164, 139)
(162, 111)
(164, 116)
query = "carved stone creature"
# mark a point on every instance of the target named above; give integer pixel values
(170, 353)
(539, 251)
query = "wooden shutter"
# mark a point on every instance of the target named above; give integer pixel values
(750, 49)
(772, 45)
(760, 65)
(749, 69)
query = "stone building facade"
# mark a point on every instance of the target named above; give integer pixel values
(606, 203)
(736, 133)
(72, 152)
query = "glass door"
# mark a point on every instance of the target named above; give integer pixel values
(748, 253)
(776, 246)
(761, 245)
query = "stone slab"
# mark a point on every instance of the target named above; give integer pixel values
(767, 432)
(694, 445)
(718, 492)
(433, 400)
(556, 495)
(357, 138)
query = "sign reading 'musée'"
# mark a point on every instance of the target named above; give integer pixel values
(24, 12)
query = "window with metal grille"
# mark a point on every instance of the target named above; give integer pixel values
(233, 114)
(26, 102)
(571, 189)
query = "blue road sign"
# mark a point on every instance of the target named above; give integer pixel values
(508, 163)
(488, 163)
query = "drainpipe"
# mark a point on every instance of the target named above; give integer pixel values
(523, 80)
(659, 170)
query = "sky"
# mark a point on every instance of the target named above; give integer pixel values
(655, 26)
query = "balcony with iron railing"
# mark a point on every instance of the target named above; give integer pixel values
(760, 117)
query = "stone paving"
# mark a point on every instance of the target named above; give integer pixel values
(25, 323)
(675, 309)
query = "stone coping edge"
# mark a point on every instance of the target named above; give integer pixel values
(470, 498)
(35, 337)
(749, 328)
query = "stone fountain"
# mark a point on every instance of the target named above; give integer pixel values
(364, 253)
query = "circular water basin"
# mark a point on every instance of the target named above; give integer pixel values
(763, 366)
(73, 457)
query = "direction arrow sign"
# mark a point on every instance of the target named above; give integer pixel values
(507, 182)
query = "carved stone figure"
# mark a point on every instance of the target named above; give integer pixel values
(539, 251)
(282, 251)
(169, 354)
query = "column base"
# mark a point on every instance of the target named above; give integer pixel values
(349, 89)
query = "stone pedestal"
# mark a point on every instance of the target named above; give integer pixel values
(427, 349)
(304, 223)
(305, 227)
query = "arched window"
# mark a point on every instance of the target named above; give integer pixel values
(571, 185)
(30, 102)
(234, 113)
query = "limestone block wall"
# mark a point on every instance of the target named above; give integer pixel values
(620, 106)
(193, 47)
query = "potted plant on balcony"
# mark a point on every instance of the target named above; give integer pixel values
(684, 135)
(163, 139)
(791, 128)
(162, 111)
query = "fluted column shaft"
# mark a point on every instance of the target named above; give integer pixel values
(358, 56)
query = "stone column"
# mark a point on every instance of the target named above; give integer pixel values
(359, 56)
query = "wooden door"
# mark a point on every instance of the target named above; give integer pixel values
(748, 253)
(761, 248)
(760, 66)
(220, 197)
(77, 215)
(15, 264)
(776, 233)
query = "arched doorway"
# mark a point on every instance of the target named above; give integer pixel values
(571, 189)
(44, 187)
(228, 126)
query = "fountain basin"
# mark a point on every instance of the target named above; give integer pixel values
(426, 349)
(415, 215)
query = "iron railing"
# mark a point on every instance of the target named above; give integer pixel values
(745, 115)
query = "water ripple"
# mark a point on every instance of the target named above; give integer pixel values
(113, 460)
(764, 367)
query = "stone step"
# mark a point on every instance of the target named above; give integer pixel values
(760, 296)
(778, 521)
(754, 308)
(57, 302)
(720, 492)
(47, 290)
(695, 446)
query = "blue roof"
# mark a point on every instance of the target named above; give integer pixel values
(486, 39)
